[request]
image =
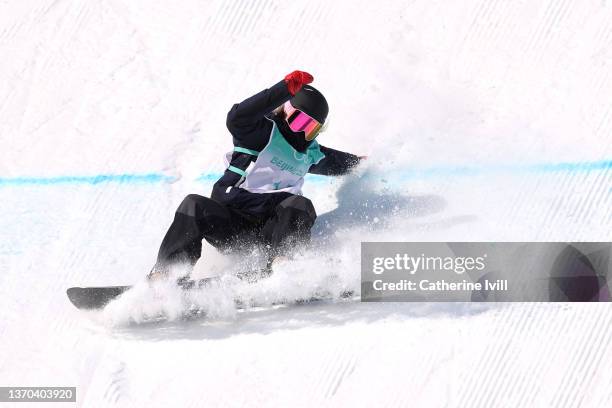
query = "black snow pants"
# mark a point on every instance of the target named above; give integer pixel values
(228, 228)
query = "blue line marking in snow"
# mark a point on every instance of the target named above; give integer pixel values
(462, 171)
(438, 171)
(209, 177)
(97, 179)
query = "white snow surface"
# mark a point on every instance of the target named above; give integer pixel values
(483, 120)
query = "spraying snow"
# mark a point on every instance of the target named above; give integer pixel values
(482, 120)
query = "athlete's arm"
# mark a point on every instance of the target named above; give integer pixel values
(335, 162)
(247, 115)
(252, 110)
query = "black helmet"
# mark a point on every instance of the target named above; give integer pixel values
(311, 102)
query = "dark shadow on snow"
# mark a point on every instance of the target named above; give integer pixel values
(359, 204)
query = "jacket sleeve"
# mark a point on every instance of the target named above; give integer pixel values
(247, 116)
(335, 163)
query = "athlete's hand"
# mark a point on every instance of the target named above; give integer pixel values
(296, 80)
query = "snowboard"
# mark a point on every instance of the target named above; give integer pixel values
(96, 298)
(89, 298)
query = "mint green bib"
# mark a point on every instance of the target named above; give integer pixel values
(279, 167)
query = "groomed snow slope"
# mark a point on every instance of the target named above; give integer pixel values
(483, 120)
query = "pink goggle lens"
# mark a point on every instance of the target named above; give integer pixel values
(300, 122)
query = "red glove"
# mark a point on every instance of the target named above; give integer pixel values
(296, 80)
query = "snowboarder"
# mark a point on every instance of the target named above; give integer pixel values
(258, 199)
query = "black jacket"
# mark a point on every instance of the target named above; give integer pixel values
(249, 124)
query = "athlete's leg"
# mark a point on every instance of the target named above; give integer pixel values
(198, 218)
(290, 224)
